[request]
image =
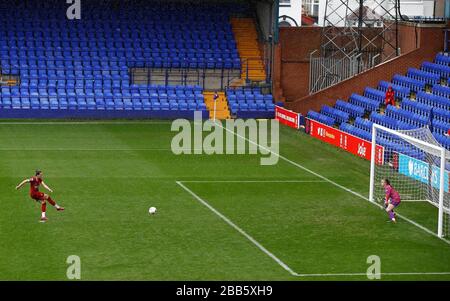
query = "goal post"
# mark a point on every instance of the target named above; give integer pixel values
(418, 167)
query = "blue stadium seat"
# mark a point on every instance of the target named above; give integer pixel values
(338, 115)
(86, 66)
(364, 102)
(321, 118)
(353, 110)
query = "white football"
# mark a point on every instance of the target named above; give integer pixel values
(152, 210)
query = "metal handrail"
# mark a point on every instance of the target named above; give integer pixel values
(245, 64)
(186, 76)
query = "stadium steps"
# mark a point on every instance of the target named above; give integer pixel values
(222, 109)
(8, 80)
(246, 37)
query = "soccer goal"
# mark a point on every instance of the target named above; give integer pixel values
(418, 168)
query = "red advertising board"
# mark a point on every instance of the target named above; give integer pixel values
(355, 145)
(287, 117)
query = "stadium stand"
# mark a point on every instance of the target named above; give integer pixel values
(424, 96)
(82, 67)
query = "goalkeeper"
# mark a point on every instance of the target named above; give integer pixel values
(392, 199)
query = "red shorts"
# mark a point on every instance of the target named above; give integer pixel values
(37, 196)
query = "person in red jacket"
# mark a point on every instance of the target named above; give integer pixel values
(448, 133)
(390, 97)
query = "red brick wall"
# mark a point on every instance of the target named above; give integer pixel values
(429, 41)
(291, 67)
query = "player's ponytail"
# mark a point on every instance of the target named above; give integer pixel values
(38, 172)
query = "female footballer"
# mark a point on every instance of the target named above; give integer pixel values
(392, 199)
(38, 196)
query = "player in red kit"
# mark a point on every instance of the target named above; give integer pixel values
(38, 196)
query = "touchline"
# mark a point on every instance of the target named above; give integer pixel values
(237, 136)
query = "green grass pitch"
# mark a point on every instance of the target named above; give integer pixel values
(107, 175)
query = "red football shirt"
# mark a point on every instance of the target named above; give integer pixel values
(35, 182)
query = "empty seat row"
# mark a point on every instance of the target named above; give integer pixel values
(338, 115)
(416, 107)
(235, 107)
(321, 118)
(441, 90)
(111, 105)
(442, 70)
(249, 99)
(243, 98)
(383, 120)
(428, 77)
(440, 127)
(413, 84)
(375, 94)
(442, 59)
(365, 102)
(115, 95)
(353, 110)
(441, 114)
(363, 124)
(7, 91)
(348, 128)
(407, 116)
(433, 100)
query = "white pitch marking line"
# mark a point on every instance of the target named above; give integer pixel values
(86, 149)
(89, 149)
(229, 222)
(365, 274)
(253, 181)
(336, 184)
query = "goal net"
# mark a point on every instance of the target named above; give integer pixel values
(418, 167)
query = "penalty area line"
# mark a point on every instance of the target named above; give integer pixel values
(238, 229)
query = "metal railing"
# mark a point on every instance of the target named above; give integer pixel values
(246, 64)
(208, 79)
(327, 71)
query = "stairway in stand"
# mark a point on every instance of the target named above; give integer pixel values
(222, 110)
(246, 37)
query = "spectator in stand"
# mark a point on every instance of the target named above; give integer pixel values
(390, 97)
(448, 133)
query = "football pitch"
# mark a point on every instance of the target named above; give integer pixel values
(220, 217)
